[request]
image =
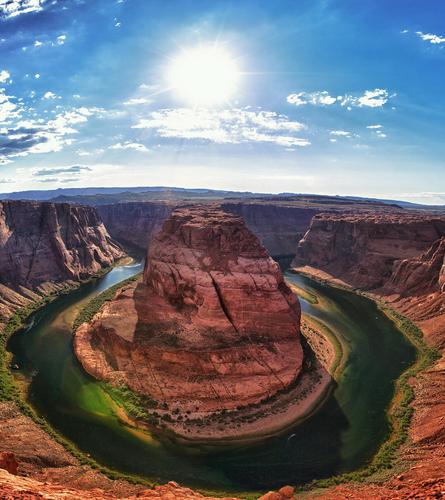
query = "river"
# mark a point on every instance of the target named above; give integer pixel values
(342, 436)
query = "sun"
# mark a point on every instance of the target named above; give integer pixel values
(203, 76)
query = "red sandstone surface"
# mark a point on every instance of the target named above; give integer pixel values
(45, 245)
(403, 259)
(363, 250)
(211, 326)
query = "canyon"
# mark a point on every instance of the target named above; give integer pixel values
(395, 255)
(398, 260)
(278, 222)
(211, 326)
(45, 246)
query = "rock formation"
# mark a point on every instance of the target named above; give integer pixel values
(279, 227)
(135, 224)
(361, 249)
(211, 326)
(402, 259)
(8, 462)
(43, 245)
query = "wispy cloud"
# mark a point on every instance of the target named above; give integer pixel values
(340, 133)
(72, 169)
(135, 146)
(230, 126)
(4, 76)
(370, 98)
(377, 131)
(137, 101)
(431, 38)
(50, 95)
(13, 8)
(21, 137)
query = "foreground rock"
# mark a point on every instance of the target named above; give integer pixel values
(212, 325)
(43, 246)
(21, 488)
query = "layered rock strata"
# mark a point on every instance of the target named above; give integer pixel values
(402, 260)
(135, 224)
(45, 245)
(364, 250)
(211, 326)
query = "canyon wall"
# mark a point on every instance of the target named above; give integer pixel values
(365, 249)
(401, 259)
(43, 245)
(211, 326)
(135, 224)
(278, 226)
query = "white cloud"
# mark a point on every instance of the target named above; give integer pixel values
(13, 8)
(430, 37)
(4, 75)
(373, 98)
(340, 133)
(61, 39)
(38, 43)
(370, 98)
(49, 95)
(8, 108)
(315, 98)
(377, 130)
(135, 146)
(37, 76)
(138, 100)
(230, 126)
(25, 137)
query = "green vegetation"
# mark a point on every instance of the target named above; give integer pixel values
(93, 306)
(10, 392)
(400, 412)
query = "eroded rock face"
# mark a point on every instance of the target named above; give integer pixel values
(43, 245)
(211, 326)
(8, 462)
(278, 227)
(422, 273)
(135, 224)
(364, 249)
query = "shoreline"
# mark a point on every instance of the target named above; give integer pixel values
(359, 475)
(253, 423)
(400, 411)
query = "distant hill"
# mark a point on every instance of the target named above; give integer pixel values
(111, 195)
(150, 192)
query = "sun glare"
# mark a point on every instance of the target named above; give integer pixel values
(203, 76)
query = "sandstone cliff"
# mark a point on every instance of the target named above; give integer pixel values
(362, 249)
(135, 224)
(401, 258)
(279, 227)
(44, 245)
(211, 326)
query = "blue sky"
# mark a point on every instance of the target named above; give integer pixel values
(332, 97)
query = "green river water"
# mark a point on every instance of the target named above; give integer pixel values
(342, 436)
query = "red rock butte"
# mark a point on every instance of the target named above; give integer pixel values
(211, 326)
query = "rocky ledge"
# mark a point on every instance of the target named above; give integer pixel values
(212, 326)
